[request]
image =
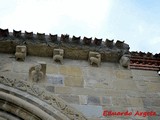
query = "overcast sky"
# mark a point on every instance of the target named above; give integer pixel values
(137, 22)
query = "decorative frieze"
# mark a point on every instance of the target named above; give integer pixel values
(44, 95)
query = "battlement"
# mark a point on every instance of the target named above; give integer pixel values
(41, 44)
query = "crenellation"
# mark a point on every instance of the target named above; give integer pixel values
(28, 35)
(17, 34)
(40, 36)
(75, 89)
(53, 38)
(4, 33)
(87, 41)
(76, 39)
(41, 44)
(97, 41)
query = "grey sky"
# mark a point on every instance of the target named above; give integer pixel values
(135, 21)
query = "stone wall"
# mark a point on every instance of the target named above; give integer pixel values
(91, 89)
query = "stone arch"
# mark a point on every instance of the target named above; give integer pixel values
(25, 100)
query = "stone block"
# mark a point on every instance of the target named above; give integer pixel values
(104, 85)
(125, 84)
(50, 88)
(144, 73)
(55, 79)
(156, 102)
(21, 67)
(135, 102)
(151, 102)
(151, 79)
(89, 111)
(70, 70)
(83, 99)
(52, 69)
(63, 70)
(74, 81)
(123, 74)
(82, 91)
(153, 87)
(120, 101)
(6, 67)
(93, 100)
(72, 99)
(106, 100)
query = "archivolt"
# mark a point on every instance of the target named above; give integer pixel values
(23, 99)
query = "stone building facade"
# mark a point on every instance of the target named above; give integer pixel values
(74, 90)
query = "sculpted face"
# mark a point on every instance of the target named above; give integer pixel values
(38, 68)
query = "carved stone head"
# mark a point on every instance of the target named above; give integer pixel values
(38, 67)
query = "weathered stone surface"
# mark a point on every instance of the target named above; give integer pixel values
(70, 70)
(11, 75)
(151, 102)
(123, 74)
(144, 73)
(21, 52)
(106, 100)
(72, 99)
(6, 67)
(58, 55)
(153, 87)
(125, 84)
(93, 100)
(152, 79)
(55, 79)
(89, 110)
(52, 69)
(50, 88)
(21, 67)
(111, 86)
(139, 109)
(37, 73)
(3, 118)
(135, 102)
(74, 81)
(120, 101)
(83, 99)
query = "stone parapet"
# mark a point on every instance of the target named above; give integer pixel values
(43, 45)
